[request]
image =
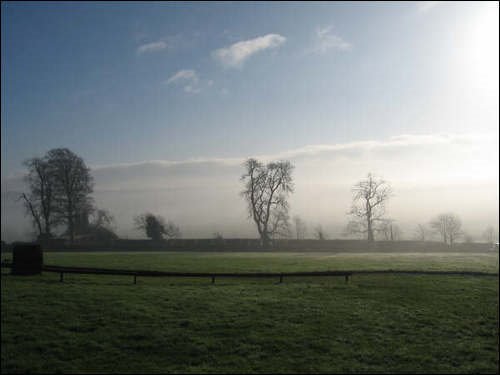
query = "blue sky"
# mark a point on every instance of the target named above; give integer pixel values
(125, 83)
(72, 75)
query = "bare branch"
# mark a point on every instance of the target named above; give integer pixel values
(266, 191)
(448, 226)
(369, 197)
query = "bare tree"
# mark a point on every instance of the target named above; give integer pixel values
(266, 191)
(454, 229)
(490, 235)
(356, 229)
(280, 224)
(448, 226)
(100, 226)
(368, 209)
(300, 227)
(421, 232)
(102, 219)
(218, 236)
(40, 201)
(468, 238)
(389, 230)
(319, 233)
(396, 233)
(73, 186)
(155, 227)
(171, 230)
(82, 222)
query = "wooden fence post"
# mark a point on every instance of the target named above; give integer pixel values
(213, 279)
(346, 278)
(281, 278)
(135, 279)
(61, 277)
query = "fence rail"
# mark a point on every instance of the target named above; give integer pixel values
(213, 275)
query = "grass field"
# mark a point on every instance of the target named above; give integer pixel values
(373, 324)
(277, 262)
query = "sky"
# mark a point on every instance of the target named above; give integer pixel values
(164, 101)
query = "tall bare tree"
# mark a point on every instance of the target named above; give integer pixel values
(280, 224)
(490, 235)
(421, 232)
(448, 226)
(266, 191)
(300, 227)
(368, 208)
(389, 230)
(102, 219)
(468, 238)
(319, 233)
(40, 202)
(73, 186)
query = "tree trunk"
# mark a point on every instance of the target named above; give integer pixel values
(370, 231)
(369, 220)
(266, 241)
(370, 235)
(47, 229)
(71, 228)
(36, 216)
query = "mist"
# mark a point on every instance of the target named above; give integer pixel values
(430, 174)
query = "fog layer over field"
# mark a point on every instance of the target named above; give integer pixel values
(430, 174)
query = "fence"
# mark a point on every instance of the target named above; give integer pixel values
(213, 275)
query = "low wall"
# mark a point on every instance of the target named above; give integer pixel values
(242, 245)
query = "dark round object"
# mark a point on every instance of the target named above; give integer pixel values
(27, 259)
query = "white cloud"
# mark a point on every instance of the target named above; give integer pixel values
(325, 40)
(236, 54)
(438, 157)
(189, 78)
(192, 89)
(183, 75)
(425, 6)
(151, 47)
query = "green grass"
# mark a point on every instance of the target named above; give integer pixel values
(373, 324)
(278, 262)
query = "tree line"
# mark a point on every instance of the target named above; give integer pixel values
(60, 189)
(268, 186)
(59, 199)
